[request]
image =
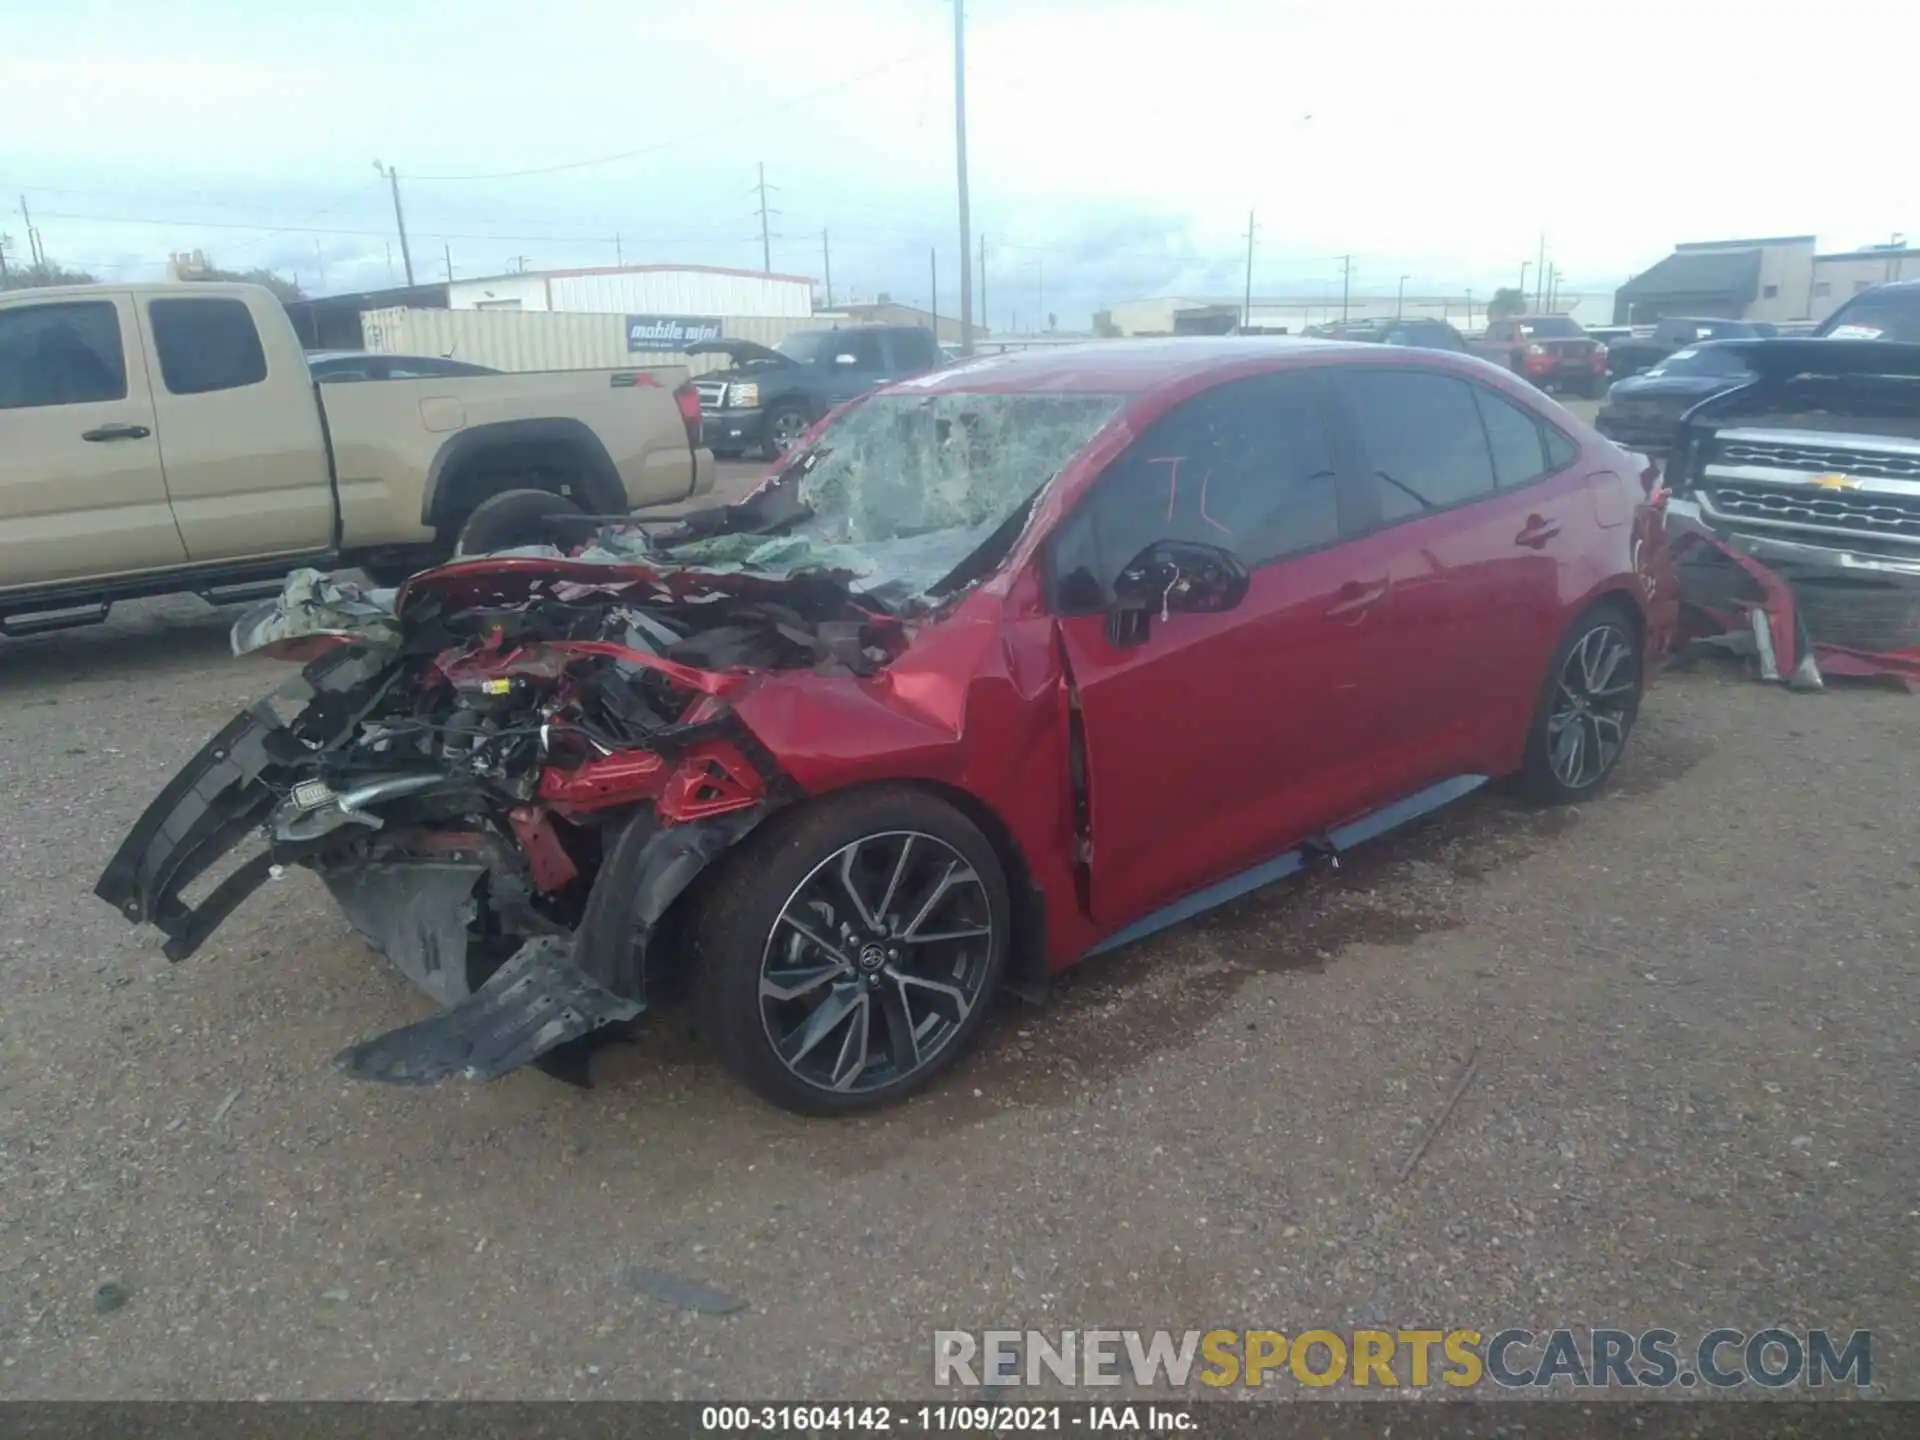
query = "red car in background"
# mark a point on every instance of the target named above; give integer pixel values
(1552, 351)
(1011, 663)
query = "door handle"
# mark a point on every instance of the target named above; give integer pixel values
(1537, 532)
(117, 432)
(1355, 598)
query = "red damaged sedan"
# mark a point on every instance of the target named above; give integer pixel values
(1010, 664)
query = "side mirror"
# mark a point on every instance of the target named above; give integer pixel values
(1169, 577)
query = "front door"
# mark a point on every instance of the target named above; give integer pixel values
(1218, 740)
(82, 496)
(855, 364)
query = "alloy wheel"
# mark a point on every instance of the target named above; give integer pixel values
(875, 962)
(788, 427)
(1593, 705)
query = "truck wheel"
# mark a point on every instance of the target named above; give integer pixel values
(520, 517)
(781, 430)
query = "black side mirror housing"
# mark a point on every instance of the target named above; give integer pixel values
(1173, 577)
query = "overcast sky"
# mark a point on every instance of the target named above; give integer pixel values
(1115, 147)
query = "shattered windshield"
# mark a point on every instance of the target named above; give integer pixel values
(904, 487)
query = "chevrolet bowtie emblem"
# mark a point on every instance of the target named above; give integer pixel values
(1836, 482)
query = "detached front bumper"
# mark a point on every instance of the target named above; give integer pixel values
(731, 431)
(1819, 606)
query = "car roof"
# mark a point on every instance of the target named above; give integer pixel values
(1125, 367)
(157, 288)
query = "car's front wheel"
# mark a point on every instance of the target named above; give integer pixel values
(848, 952)
(1588, 703)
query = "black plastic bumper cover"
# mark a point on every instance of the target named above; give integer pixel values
(222, 796)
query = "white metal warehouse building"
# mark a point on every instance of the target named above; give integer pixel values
(708, 290)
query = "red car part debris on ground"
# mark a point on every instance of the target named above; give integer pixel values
(1011, 663)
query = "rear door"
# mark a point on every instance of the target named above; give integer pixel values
(82, 496)
(911, 352)
(240, 438)
(1473, 536)
(1219, 740)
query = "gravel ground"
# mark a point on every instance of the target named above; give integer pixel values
(1691, 1003)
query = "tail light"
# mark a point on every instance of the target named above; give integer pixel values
(1599, 357)
(688, 399)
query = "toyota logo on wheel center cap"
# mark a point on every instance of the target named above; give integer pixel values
(873, 955)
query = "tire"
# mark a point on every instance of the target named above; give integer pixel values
(780, 429)
(1593, 685)
(838, 1013)
(518, 517)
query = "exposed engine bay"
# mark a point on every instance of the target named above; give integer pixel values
(505, 775)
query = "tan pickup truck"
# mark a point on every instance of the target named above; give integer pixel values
(158, 438)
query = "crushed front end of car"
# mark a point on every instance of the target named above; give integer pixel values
(505, 776)
(1796, 510)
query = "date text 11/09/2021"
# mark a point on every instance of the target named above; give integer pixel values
(964, 1419)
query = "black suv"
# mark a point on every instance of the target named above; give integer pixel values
(770, 396)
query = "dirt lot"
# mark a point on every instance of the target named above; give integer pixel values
(1692, 1003)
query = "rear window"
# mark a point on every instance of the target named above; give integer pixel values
(1704, 361)
(61, 355)
(1552, 327)
(206, 345)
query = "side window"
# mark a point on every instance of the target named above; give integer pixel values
(1561, 452)
(864, 346)
(1515, 438)
(1246, 466)
(206, 345)
(913, 350)
(1420, 431)
(61, 355)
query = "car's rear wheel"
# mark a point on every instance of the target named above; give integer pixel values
(849, 952)
(519, 517)
(1588, 703)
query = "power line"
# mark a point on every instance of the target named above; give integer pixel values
(731, 123)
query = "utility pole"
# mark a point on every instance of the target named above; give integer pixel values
(1540, 272)
(320, 259)
(1400, 299)
(35, 255)
(960, 163)
(983, 281)
(1469, 309)
(766, 247)
(933, 290)
(446, 249)
(1525, 265)
(1246, 307)
(619, 255)
(1346, 283)
(399, 219)
(826, 261)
